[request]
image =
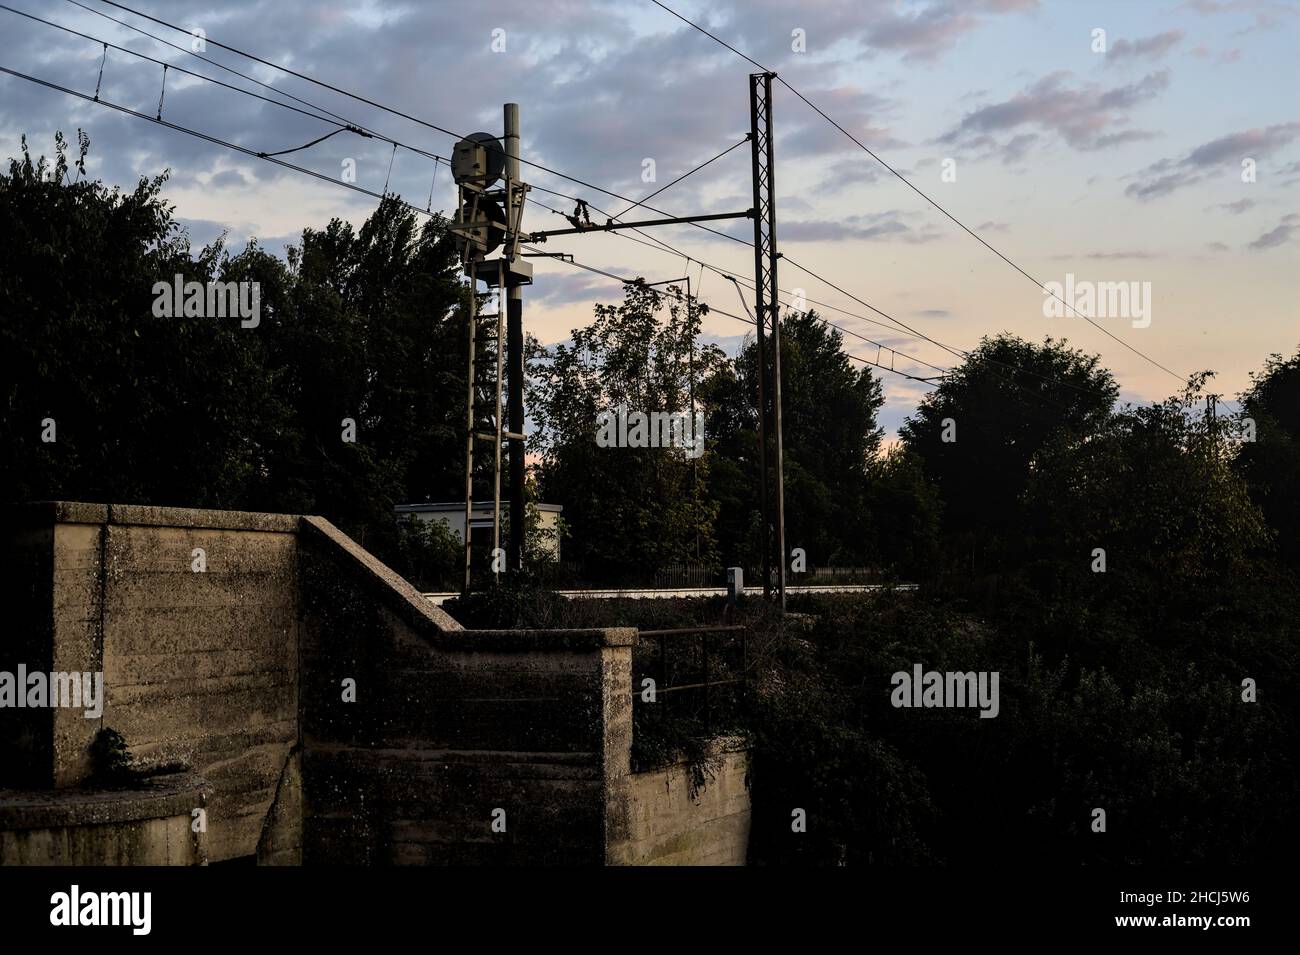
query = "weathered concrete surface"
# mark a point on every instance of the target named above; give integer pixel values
(281, 840)
(149, 825)
(667, 826)
(78, 639)
(200, 666)
(238, 672)
(27, 591)
(451, 730)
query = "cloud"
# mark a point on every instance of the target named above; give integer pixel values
(1236, 146)
(228, 178)
(1127, 136)
(1289, 174)
(1280, 235)
(857, 169)
(804, 133)
(1087, 117)
(917, 29)
(1166, 175)
(923, 33)
(1016, 148)
(1159, 186)
(1148, 48)
(205, 231)
(1109, 256)
(881, 226)
(1267, 14)
(1236, 208)
(1239, 6)
(588, 288)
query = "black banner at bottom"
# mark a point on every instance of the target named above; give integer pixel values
(223, 903)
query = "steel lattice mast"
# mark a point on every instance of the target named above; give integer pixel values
(768, 321)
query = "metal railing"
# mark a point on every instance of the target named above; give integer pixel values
(690, 574)
(718, 665)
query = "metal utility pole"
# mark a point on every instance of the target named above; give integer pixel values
(767, 313)
(515, 356)
(488, 217)
(760, 321)
(767, 308)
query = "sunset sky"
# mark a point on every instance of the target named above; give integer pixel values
(1116, 166)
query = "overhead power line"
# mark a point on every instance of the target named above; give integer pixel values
(728, 275)
(957, 352)
(269, 157)
(718, 311)
(215, 140)
(387, 109)
(113, 46)
(195, 53)
(903, 179)
(724, 273)
(436, 158)
(218, 141)
(661, 189)
(437, 128)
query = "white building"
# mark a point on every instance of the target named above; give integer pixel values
(480, 521)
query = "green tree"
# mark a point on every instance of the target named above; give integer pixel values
(905, 514)
(374, 332)
(1271, 462)
(978, 432)
(829, 409)
(1156, 491)
(363, 324)
(629, 510)
(147, 409)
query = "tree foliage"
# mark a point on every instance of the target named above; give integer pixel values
(831, 437)
(978, 431)
(1153, 488)
(362, 324)
(630, 509)
(1271, 462)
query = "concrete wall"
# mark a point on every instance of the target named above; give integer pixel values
(448, 725)
(152, 825)
(27, 592)
(203, 667)
(199, 666)
(667, 825)
(238, 672)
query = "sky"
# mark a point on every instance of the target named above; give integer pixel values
(1165, 152)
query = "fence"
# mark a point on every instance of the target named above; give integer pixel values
(690, 575)
(722, 660)
(706, 575)
(575, 575)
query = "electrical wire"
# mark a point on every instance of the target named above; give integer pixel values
(727, 275)
(634, 203)
(715, 310)
(677, 180)
(903, 179)
(589, 185)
